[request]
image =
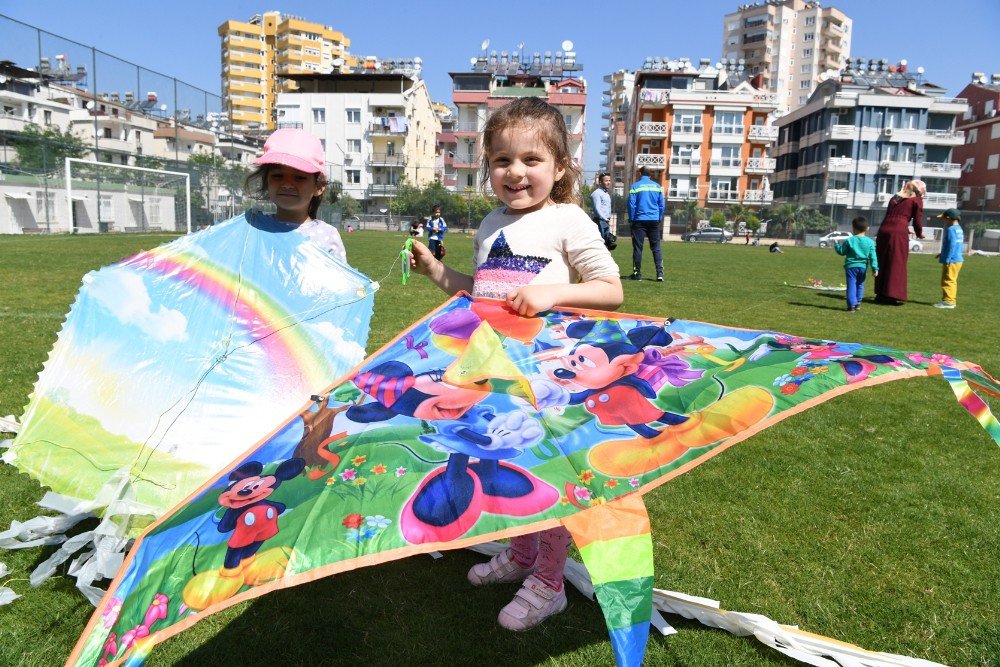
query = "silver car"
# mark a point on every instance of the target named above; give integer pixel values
(710, 234)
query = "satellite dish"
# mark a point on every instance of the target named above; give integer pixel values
(338, 62)
(520, 46)
(472, 60)
(418, 60)
(485, 44)
(567, 45)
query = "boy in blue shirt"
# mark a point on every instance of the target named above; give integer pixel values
(859, 252)
(951, 258)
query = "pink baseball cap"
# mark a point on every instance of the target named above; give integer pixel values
(294, 148)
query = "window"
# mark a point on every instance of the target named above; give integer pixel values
(728, 122)
(47, 116)
(153, 210)
(319, 115)
(990, 191)
(970, 165)
(353, 145)
(687, 121)
(993, 161)
(470, 180)
(972, 136)
(810, 20)
(107, 133)
(808, 37)
(805, 69)
(807, 52)
(988, 107)
(804, 84)
(45, 206)
(726, 156)
(353, 115)
(352, 176)
(803, 99)
(105, 209)
(995, 131)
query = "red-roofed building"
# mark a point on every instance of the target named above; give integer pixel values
(980, 154)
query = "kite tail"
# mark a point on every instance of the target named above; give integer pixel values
(969, 400)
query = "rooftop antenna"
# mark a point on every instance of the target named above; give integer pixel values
(520, 49)
(567, 45)
(485, 45)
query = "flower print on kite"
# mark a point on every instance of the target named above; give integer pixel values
(476, 424)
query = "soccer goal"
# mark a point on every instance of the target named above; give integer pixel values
(105, 197)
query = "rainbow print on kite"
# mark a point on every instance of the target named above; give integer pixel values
(477, 424)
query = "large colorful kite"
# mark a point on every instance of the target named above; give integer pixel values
(477, 424)
(170, 364)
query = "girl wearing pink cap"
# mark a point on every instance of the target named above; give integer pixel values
(290, 175)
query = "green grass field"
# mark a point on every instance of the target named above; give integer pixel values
(871, 519)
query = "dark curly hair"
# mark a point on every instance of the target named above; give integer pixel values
(536, 114)
(256, 187)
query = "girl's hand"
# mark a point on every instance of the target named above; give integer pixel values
(422, 260)
(530, 300)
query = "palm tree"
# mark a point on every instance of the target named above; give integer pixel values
(784, 216)
(690, 211)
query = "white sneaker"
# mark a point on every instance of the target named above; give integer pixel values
(533, 603)
(944, 304)
(501, 569)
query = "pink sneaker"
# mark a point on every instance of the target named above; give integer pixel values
(532, 604)
(501, 569)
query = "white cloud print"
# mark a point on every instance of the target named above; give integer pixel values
(127, 299)
(351, 352)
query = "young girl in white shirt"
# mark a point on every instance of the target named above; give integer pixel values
(538, 251)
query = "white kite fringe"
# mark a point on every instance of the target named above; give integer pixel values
(797, 644)
(108, 542)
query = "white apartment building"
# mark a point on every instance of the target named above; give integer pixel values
(790, 43)
(617, 99)
(376, 128)
(863, 135)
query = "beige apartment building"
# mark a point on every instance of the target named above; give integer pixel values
(790, 43)
(257, 51)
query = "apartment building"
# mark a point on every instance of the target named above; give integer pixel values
(704, 131)
(257, 51)
(496, 79)
(862, 135)
(447, 145)
(979, 156)
(618, 100)
(790, 43)
(377, 127)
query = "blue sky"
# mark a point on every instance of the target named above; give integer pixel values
(178, 38)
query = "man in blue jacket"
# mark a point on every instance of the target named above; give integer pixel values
(645, 214)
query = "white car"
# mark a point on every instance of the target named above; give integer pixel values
(833, 237)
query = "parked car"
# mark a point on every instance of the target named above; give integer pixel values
(915, 244)
(713, 234)
(828, 240)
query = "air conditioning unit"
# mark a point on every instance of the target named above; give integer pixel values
(884, 165)
(655, 143)
(883, 197)
(888, 132)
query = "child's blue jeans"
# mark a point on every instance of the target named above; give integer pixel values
(855, 284)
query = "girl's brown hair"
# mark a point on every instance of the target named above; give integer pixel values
(256, 186)
(535, 114)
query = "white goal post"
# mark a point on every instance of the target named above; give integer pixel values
(95, 163)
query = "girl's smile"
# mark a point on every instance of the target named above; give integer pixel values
(292, 191)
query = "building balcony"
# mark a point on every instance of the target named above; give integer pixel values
(723, 196)
(651, 160)
(115, 145)
(467, 128)
(377, 128)
(852, 133)
(940, 169)
(289, 125)
(762, 133)
(955, 105)
(944, 137)
(758, 196)
(691, 134)
(830, 61)
(761, 165)
(727, 134)
(685, 165)
(678, 194)
(387, 160)
(724, 167)
(652, 129)
(232, 86)
(466, 161)
(940, 200)
(383, 190)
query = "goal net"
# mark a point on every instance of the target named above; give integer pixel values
(105, 197)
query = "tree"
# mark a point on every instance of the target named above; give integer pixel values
(738, 212)
(40, 151)
(811, 221)
(753, 223)
(690, 212)
(718, 219)
(783, 218)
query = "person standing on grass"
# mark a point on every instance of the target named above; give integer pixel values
(892, 243)
(645, 216)
(951, 258)
(858, 252)
(600, 203)
(436, 227)
(538, 251)
(290, 174)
